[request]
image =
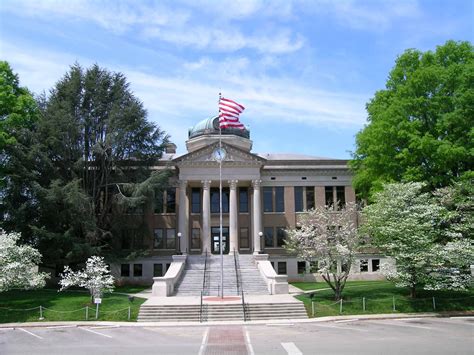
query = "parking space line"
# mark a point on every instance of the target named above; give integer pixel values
(249, 344)
(61, 326)
(291, 349)
(204, 342)
(340, 328)
(24, 330)
(7, 328)
(105, 327)
(92, 331)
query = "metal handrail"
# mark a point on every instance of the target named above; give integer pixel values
(243, 307)
(237, 273)
(200, 310)
(205, 272)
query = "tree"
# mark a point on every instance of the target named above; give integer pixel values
(19, 264)
(86, 162)
(329, 237)
(407, 224)
(421, 127)
(95, 277)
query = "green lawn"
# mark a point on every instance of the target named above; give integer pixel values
(23, 306)
(379, 298)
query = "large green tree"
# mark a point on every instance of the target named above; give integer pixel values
(87, 161)
(421, 126)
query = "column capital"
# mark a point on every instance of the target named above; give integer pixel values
(206, 184)
(233, 184)
(256, 183)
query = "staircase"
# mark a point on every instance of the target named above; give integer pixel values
(271, 311)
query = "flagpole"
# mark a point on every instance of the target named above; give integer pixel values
(220, 207)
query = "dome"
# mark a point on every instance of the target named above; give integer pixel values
(211, 126)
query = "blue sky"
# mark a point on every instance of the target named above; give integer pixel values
(303, 69)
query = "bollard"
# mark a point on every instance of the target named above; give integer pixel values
(41, 313)
(340, 306)
(129, 312)
(363, 303)
(393, 302)
(87, 312)
(312, 307)
(434, 304)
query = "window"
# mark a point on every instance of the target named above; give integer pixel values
(215, 203)
(340, 197)
(335, 196)
(243, 199)
(195, 200)
(309, 197)
(329, 196)
(304, 198)
(301, 265)
(375, 265)
(125, 270)
(281, 235)
(268, 234)
(274, 199)
(364, 265)
(244, 238)
(137, 270)
(158, 242)
(165, 201)
(282, 268)
(195, 238)
(170, 238)
(313, 266)
(299, 199)
(157, 270)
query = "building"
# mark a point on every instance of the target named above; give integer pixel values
(262, 196)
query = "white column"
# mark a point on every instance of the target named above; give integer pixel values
(206, 215)
(183, 217)
(233, 217)
(257, 216)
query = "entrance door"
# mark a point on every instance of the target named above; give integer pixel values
(215, 245)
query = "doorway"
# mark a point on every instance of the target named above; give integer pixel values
(215, 245)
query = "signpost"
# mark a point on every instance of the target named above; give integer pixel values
(97, 301)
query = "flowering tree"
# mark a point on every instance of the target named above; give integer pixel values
(19, 264)
(95, 277)
(331, 238)
(407, 225)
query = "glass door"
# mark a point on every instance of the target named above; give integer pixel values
(215, 245)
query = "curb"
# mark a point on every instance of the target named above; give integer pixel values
(360, 317)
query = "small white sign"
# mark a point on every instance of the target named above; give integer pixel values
(98, 300)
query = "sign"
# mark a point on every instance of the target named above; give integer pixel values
(97, 300)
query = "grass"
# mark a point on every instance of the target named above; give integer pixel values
(23, 306)
(379, 297)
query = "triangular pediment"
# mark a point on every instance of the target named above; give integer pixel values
(234, 156)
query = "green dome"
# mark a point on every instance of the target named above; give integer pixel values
(211, 126)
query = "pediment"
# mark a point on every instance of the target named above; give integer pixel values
(204, 157)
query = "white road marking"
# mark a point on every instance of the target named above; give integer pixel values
(249, 344)
(204, 342)
(92, 331)
(280, 324)
(7, 328)
(105, 327)
(405, 325)
(61, 326)
(340, 328)
(346, 320)
(291, 349)
(24, 330)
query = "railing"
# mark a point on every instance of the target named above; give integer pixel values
(240, 287)
(243, 307)
(200, 310)
(203, 287)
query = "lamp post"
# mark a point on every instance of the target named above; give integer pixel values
(179, 243)
(260, 235)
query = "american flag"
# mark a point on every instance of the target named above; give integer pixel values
(229, 112)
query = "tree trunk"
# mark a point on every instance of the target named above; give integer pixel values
(413, 291)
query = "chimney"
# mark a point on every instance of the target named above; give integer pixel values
(170, 148)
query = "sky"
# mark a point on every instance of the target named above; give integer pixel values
(304, 70)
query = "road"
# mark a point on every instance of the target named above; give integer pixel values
(403, 336)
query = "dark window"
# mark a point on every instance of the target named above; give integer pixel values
(195, 200)
(171, 200)
(340, 196)
(170, 238)
(215, 203)
(244, 238)
(299, 199)
(301, 267)
(196, 238)
(375, 265)
(268, 199)
(345, 267)
(158, 202)
(279, 199)
(125, 270)
(309, 197)
(157, 270)
(158, 239)
(282, 268)
(137, 270)
(328, 192)
(268, 234)
(364, 265)
(243, 199)
(313, 266)
(281, 235)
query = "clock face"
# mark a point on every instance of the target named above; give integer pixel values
(219, 154)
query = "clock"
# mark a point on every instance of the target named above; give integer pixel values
(219, 154)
